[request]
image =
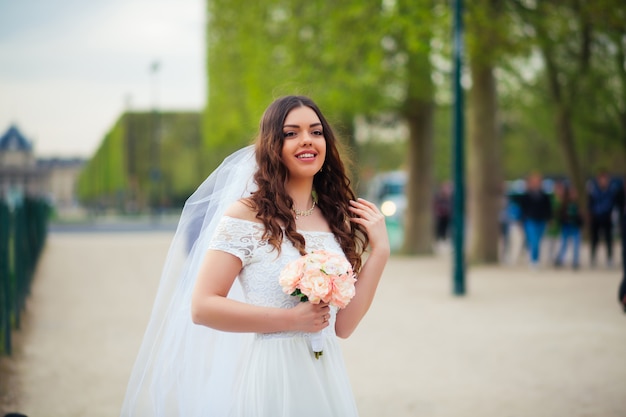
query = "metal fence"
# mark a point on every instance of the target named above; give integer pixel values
(23, 230)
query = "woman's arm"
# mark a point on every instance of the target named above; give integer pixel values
(369, 277)
(211, 307)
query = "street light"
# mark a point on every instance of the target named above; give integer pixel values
(155, 169)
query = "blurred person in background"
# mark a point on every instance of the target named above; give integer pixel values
(509, 219)
(536, 210)
(443, 211)
(553, 230)
(602, 200)
(570, 221)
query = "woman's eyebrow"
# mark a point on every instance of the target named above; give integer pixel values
(298, 126)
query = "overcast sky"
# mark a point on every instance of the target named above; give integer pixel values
(68, 69)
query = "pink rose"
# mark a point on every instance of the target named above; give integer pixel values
(321, 276)
(316, 286)
(290, 276)
(343, 290)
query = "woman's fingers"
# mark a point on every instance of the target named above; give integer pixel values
(324, 313)
(367, 203)
(313, 317)
(367, 212)
(372, 220)
(363, 205)
(323, 318)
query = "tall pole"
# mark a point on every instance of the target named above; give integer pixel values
(155, 169)
(458, 155)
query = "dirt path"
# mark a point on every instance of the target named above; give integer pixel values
(543, 343)
(90, 305)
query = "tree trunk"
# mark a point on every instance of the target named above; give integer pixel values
(564, 91)
(621, 71)
(485, 179)
(563, 125)
(418, 110)
(565, 136)
(419, 226)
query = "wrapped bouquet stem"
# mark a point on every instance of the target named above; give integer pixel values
(319, 276)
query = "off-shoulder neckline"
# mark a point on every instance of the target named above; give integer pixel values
(261, 224)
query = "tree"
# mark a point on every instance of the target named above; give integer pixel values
(601, 115)
(410, 27)
(329, 51)
(576, 38)
(488, 39)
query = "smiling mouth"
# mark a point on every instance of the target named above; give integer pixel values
(306, 155)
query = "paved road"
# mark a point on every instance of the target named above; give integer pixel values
(522, 343)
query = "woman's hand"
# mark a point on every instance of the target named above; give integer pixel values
(373, 221)
(310, 318)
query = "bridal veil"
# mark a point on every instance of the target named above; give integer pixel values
(184, 369)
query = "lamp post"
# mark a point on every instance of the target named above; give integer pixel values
(458, 156)
(155, 168)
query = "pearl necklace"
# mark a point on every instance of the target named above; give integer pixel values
(303, 213)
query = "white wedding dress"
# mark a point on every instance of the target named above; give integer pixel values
(280, 376)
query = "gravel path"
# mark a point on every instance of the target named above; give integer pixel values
(522, 343)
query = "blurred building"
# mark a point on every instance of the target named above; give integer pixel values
(22, 174)
(19, 174)
(60, 182)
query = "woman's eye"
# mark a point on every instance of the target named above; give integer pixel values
(289, 134)
(318, 133)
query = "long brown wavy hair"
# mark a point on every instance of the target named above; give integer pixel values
(332, 185)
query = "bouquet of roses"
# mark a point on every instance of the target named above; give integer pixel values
(319, 276)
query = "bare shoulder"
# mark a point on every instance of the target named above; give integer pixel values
(242, 209)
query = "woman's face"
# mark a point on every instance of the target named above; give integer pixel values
(304, 146)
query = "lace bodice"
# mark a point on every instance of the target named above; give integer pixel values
(262, 264)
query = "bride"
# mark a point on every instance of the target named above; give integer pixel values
(223, 339)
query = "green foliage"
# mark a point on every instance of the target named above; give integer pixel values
(146, 159)
(258, 51)
(378, 155)
(366, 57)
(105, 174)
(494, 23)
(581, 71)
(443, 144)
(371, 58)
